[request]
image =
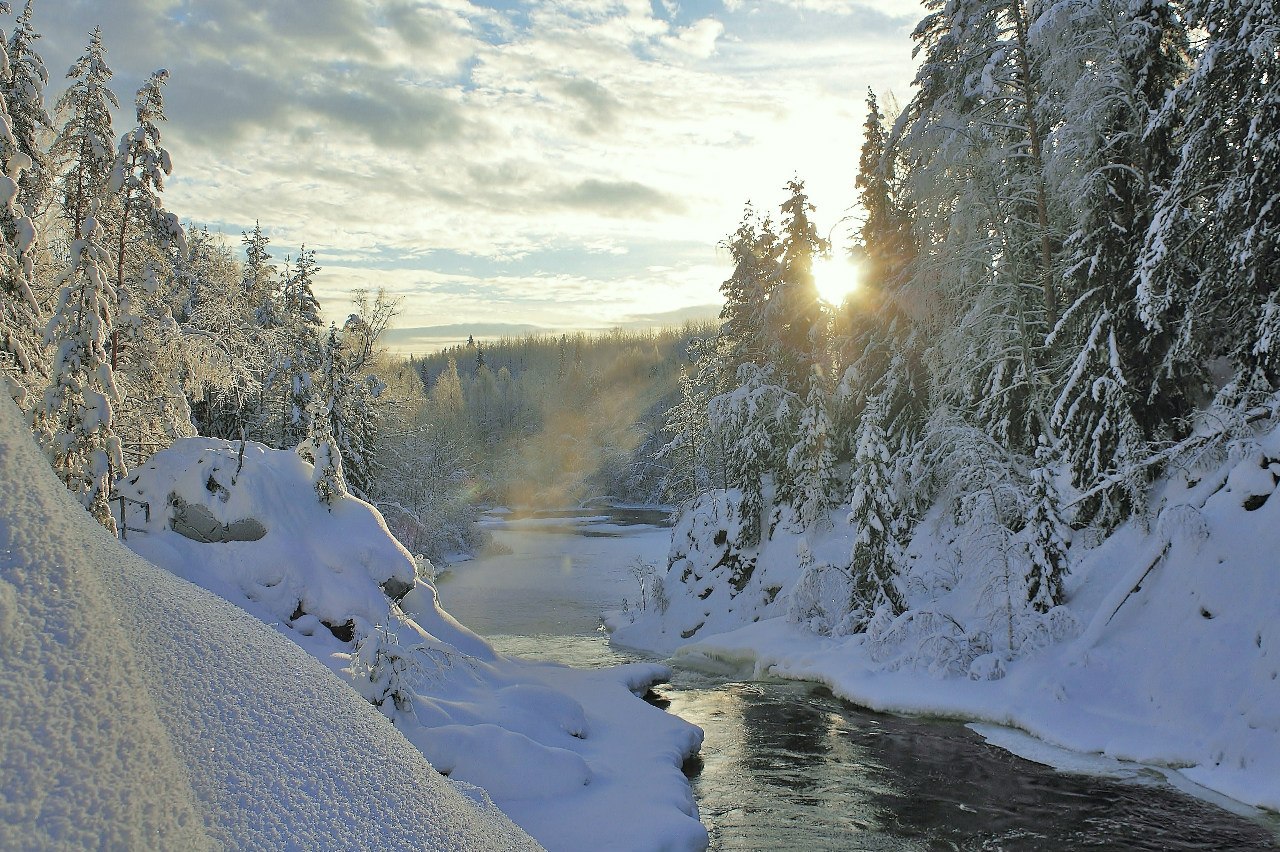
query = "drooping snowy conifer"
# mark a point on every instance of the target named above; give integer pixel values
(74, 421)
(809, 461)
(875, 561)
(1047, 535)
(19, 335)
(29, 120)
(320, 447)
(82, 152)
(1112, 64)
(1210, 269)
(794, 318)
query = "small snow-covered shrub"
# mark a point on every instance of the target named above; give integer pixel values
(820, 599)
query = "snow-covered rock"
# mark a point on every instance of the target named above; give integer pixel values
(138, 711)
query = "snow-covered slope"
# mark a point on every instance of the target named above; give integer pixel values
(138, 711)
(574, 757)
(1167, 651)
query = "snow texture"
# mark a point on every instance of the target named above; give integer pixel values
(1167, 651)
(138, 711)
(572, 757)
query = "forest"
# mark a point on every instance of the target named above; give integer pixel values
(1067, 241)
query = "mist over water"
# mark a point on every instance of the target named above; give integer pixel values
(786, 765)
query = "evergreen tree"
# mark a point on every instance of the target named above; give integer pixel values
(320, 448)
(1047, 535)
(75, 419)
(809, 461)
(29, 120)
(1208, 272)
(82, 150)
(873, 566)
(1115, 63)
(795, 319)
(19, 338)
(685, 452)
(742, 339)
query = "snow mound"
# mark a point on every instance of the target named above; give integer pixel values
(542, 741)
(138, 711)
(229, 512)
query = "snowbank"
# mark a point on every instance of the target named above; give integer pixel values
(573, 757)
(1170, 645)
(138, 711)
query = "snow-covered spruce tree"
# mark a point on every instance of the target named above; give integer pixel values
(82, 152)
(74, 420)
(795, 322)
(741, 339)
(874, 333)
(1112, 65)
(751, 424)
(1210, 269)
(301, 323)
(1047, 534)
(685, 451)
(320, 447)
(19, 335)
(874, 564)
(29, 119)
(146, 348)
(809, 461)
(975, 135)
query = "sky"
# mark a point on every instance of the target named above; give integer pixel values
(505, 166)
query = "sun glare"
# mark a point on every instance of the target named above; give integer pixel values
(836, 277)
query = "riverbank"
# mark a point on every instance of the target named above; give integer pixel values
(1166, 653)
(786, 765)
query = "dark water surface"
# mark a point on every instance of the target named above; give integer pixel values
(786, 765)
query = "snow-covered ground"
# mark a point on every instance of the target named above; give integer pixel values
(138, 711)
(1167, 652)
(573, 757)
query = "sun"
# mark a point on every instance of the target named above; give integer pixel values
(836, 277)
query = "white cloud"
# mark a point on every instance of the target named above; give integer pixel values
(395, 135)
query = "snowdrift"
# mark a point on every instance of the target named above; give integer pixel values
(138, 711)
(1166, 653)
(573, 757)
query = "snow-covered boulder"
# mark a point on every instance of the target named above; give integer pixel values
(138, 711)
(230, 517)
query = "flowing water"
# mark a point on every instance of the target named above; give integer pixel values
(786, 765)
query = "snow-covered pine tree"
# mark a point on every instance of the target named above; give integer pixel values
(29, 119)
(873, 331)
(302, 324)
(74, 419)
(358, 418)
(809, 461)
(82, 152)
(138, 176)
(874, 563)
(1210, 269)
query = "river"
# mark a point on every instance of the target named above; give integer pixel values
(786, 765)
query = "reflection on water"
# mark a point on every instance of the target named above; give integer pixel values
(787, 766)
